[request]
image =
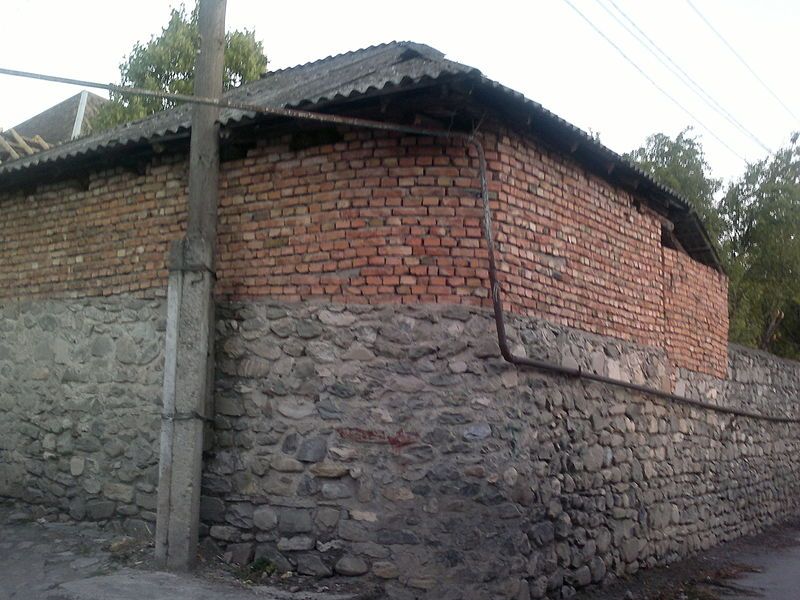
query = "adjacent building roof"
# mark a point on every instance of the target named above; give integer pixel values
(66, 120)
(382, 68)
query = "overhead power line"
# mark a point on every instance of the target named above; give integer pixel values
(679, 72)
(289, 113)
(653, 82)
(742, 60)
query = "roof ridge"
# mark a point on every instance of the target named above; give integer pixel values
(399, 43)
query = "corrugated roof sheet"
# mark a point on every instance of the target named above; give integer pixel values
(396, 64)
(329, 79)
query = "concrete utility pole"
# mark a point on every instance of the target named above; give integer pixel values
(189, 348)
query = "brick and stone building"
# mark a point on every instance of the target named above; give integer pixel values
(365, 423)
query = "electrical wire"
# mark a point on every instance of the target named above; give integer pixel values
(742, 60)
(679, 72)
(652, 81)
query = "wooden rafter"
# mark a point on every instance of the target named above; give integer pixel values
(4, 145)
(14, 146)
(21, 142)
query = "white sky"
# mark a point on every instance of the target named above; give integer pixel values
(539, 47)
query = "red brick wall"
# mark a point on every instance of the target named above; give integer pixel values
(377, 218)
(696, 313)
(372, 219)
(65, 241)
(576, 249)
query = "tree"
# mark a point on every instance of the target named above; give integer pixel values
(680, 164)
(166, 63)
(761, 243)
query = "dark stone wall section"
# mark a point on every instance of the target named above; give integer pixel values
(394, 442)
(80, 397)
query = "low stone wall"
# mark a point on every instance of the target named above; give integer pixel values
(80, 394)
(756, 381)
(393, 441)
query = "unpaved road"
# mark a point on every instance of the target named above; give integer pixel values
(760, 567)
(58, 561)
(78, 561)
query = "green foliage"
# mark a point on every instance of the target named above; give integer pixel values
(761, 212)
(680, 164)
(166, 63)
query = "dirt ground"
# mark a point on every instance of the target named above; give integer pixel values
(764, 566)
(42, 559)
(45, 560)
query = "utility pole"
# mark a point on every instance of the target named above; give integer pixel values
(189, 347)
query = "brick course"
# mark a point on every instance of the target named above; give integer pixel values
(380, 218)
(112, 238)
(695, 313)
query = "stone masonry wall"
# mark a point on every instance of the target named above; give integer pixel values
(380, 219)
(80, 396)
(393, 442)
(756, 381)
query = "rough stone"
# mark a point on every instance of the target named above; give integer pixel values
(580, 577)
(358, 352)
(265, 518)
(286, 464)
(225, 533)
(329, 470)
(398, 494)
(311, 564)
(351, 566)
(294, 408)
(102, 346)
(436, 445)
(353, 532)
(240, 514)
(593, 458)
(118, 491)
(297, 543)
(478, 431)
(313, 449)
(294, 520)
(336, 319)
(327, 517)
(212, 510)
(335, 491)
(364, 515)
(385, 570)
(77, 465)
(273, 557)
(239, 554)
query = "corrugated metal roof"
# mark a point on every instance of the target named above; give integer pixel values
(395, 64)
(329, 79)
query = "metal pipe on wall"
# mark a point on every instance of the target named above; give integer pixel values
(522, 361)
(494, 283)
